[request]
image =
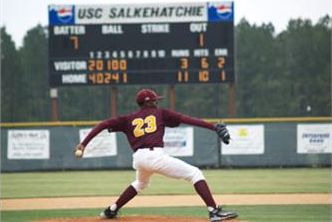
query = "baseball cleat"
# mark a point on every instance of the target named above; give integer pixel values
(108, 213)
(218, 214)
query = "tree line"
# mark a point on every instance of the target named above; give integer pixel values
(277, 75)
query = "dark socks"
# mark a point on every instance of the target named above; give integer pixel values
(204, 192)
(201, 188)
(126, 196)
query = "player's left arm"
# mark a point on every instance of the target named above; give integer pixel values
(219, 128)
(196, 122)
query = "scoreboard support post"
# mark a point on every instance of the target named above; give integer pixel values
(231, 100)
(114, 101)
(172, 97)
(54, 104)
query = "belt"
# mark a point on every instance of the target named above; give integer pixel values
(150, 148)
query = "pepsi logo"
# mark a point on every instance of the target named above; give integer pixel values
(65, 13)
(224, 10)
(220, 11)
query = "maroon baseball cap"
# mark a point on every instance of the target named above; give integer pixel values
(145, 95)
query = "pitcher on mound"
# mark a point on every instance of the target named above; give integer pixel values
(145, 130)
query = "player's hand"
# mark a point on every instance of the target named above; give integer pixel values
(222, 132)
(79, 150)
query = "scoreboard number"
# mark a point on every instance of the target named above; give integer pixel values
(141, 44)
(75, 42)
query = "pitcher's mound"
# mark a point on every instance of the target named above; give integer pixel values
(134, 219)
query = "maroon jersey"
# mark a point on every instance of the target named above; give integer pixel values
(146, 127)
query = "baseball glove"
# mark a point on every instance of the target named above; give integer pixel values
(222, 132)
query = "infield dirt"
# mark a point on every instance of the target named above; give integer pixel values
(164, 201)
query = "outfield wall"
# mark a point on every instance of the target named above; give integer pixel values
(277, 142)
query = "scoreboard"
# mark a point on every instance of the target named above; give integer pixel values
(141, 44)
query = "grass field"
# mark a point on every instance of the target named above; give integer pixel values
(243, 181)
(101, 183)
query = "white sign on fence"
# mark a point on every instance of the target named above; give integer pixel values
(245, 140)
(314, 138)
(179, 141)
(28, 144)
(104, 144)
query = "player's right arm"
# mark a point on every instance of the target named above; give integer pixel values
(113, 125)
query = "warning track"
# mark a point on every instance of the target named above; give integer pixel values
(165, 201)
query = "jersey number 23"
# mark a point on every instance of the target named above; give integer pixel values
(143, 126)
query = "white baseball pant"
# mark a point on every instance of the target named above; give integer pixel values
(147, 162)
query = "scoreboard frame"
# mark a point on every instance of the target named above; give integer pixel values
(141, 44)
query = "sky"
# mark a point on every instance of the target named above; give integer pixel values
(18, 16)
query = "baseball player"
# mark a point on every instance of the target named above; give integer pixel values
(145, 130)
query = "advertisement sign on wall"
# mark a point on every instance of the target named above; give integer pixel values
(104, 144)
(314, 138)
(28, 144)
(245, 140)
(179, 141)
